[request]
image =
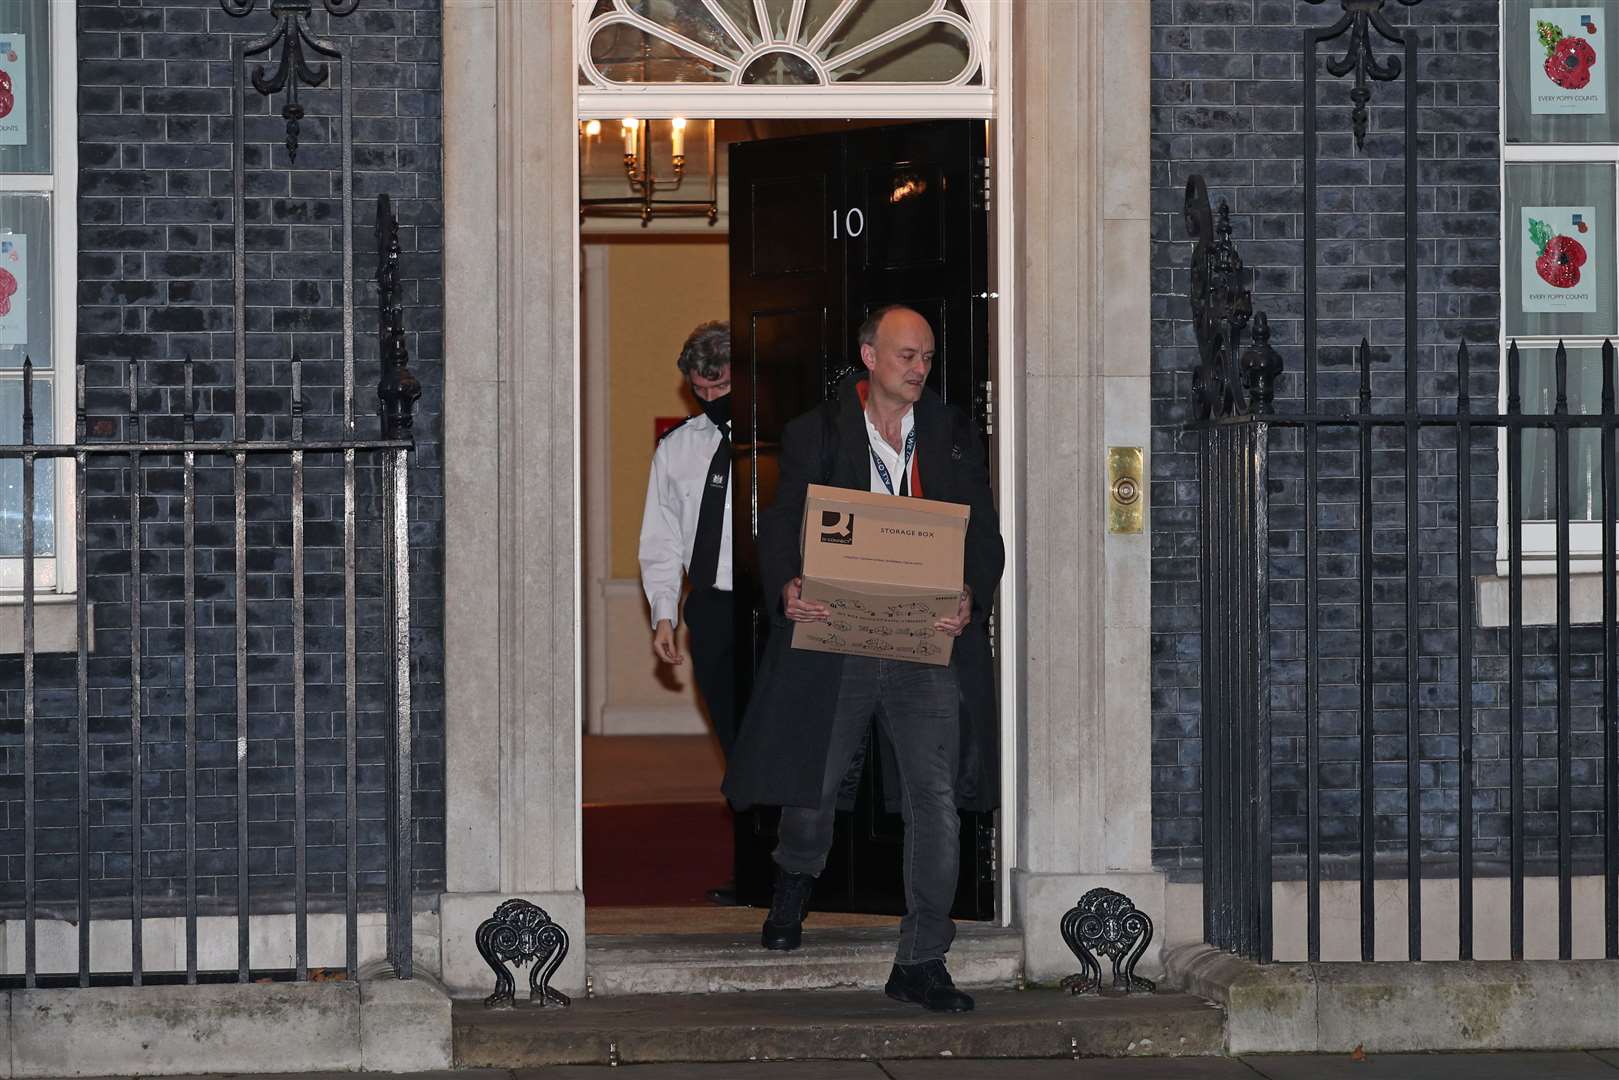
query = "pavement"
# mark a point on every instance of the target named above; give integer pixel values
(1550, 1066)
(1595, 1065)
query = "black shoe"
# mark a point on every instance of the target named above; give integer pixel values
(784, 926)
(723, 896)
(927, 984)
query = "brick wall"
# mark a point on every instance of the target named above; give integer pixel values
(1227, 97)
(155, 270)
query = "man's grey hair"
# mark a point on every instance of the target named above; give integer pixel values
(707, 350)
(868, 329)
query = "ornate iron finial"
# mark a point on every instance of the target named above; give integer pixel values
(292, 32)
(1106, 922)
(1262, 366)
(1360, 18)
(398, 389)
(1222, 308)
(517, 933)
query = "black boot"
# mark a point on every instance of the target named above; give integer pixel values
(927, 984)
(784, 926)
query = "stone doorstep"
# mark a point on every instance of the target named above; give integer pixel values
(841, 958)
(1396, 1006)
(832, 1025)
(383, 1025)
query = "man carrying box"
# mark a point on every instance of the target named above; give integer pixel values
(884, 433)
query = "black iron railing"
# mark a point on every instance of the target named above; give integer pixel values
(253, 464)
(1375, 637)
(207, 738)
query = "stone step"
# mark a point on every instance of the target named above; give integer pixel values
(832, 1025)
(832, 958)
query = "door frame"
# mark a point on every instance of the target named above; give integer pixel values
(654, 100)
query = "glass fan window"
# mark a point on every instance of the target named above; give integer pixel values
(782, 43)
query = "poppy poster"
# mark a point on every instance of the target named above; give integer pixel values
(13, 289)
(1559, 271)
(13, 90)
(1567, 58)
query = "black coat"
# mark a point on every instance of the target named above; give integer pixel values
(780, 754)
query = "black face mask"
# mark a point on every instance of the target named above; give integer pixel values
(717, 410)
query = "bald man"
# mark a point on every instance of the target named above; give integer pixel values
(807, 722)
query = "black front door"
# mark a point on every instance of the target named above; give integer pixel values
(825, 229)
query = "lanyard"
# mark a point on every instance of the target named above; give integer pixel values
(882, 470)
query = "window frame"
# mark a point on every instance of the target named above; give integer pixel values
(58, 574)
(1539, 537)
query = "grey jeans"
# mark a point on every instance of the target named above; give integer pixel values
(919, 706)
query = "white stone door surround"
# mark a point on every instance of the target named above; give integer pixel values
(1073, 354)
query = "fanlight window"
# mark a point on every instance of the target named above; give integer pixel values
(784, 43)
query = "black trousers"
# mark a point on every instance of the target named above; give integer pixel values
(919, 707)
(711, 614)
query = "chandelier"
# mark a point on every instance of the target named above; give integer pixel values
(641, 142)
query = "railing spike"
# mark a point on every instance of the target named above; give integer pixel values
(28, 400)
(297, 396)
(1561, 407)
(189, 405)
(1514, 369)
(397, 389)
(1364, 356)
(1607, 377)
(1464, 399)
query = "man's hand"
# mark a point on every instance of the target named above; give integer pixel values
(964, 614)
(663, 643)
(797, 608)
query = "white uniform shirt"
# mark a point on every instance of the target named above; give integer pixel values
(893, 460)
(674, 496)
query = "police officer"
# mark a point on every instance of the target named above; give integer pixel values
(687, 525)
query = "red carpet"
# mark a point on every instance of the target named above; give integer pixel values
(655, 854)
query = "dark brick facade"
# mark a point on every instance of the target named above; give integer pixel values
(155, 284)
(1227, 97)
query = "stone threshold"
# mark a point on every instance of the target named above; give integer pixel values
(1395, 1006)
(832, 1025)
(851, 958)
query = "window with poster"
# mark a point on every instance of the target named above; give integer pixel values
(1560, 206)
(38, 244)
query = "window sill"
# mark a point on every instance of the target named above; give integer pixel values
(1540, 599)
(56, 624)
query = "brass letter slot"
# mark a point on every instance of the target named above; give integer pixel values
(1126, 490)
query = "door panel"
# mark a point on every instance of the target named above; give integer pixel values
(788, 237)
(908, 232)
(785, 279)
(925, 242)
(826, 229)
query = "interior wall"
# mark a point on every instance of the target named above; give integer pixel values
(657, 292)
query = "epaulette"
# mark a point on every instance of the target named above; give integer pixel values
(677, 427)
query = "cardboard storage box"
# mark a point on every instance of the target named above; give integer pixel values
(888, 566)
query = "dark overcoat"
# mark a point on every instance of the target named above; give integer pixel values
(780, 754)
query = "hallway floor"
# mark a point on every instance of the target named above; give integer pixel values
(658, 836)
